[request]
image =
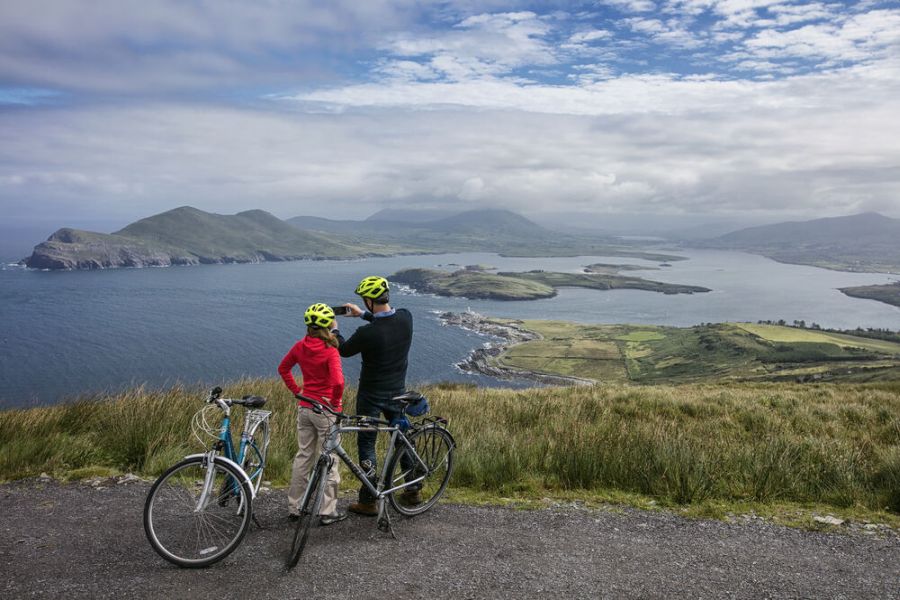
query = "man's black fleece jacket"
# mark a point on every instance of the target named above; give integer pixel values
(384, 344)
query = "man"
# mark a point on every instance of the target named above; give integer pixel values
(384, 344)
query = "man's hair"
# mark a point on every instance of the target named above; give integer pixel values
(383, 299)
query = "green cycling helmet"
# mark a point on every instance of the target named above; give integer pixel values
(318, 315)
(372, 287)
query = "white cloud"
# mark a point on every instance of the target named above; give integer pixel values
(816, 144)
(672, 32)
(862, 38)
(135, 46)
(478, 46)
(445, 115)
(591, 35)
(632, 6)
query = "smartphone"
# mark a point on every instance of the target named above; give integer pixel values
(339, 310)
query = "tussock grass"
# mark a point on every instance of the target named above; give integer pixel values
(833, 445)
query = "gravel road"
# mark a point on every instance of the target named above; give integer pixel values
(87, 541)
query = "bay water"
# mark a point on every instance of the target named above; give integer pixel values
(66, 334)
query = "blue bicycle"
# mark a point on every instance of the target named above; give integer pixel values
(198, 511)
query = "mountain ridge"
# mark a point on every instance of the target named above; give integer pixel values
(865, 242)
(183, 236)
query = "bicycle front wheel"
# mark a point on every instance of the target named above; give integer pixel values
(197, 512)
(435, 446)
(309, 512)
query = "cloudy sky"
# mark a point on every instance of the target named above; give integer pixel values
(111, 110)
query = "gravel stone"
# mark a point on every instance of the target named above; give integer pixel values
(77, 541)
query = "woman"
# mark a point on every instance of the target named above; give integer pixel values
(323, 379)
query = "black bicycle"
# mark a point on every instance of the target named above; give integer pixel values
(419, 457)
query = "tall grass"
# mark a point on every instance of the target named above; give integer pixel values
(829, 444)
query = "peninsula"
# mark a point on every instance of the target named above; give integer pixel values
(556, 351)
(185, 236)
(888, 293)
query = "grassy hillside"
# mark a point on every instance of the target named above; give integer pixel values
(864, 242)
(650, 354)
(243, 235)
(835, 446)
(187, 235)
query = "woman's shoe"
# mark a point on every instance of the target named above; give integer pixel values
(332, 519)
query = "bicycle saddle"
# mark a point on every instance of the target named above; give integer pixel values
(408, 397)
(253, 401)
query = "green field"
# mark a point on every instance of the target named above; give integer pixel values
(776, 333)
(708, 353)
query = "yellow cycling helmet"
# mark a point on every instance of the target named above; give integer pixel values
(372, 287)
(318, 315)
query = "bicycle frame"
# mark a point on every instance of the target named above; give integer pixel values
(333, 445)
(225, 444)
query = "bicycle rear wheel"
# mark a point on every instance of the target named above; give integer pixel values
(255, 455)
(309, 512)
(435, 447)
(190, 530)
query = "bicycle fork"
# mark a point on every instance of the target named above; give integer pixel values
(208, 482)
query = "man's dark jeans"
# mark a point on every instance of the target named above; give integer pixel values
(372, 405)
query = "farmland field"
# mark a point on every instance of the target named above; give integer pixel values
(703, 353)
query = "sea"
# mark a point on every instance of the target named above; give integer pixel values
(65, 335)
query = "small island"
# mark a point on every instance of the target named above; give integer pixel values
(531, 285)
(613, 269)
(472, 284)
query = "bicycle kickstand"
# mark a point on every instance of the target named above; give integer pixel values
(384, 519)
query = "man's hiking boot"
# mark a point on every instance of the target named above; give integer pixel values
(410, 498)
(332, 519)
(367, 509)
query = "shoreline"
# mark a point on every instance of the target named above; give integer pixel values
(482, 361)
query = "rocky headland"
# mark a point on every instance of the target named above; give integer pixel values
(508, 333)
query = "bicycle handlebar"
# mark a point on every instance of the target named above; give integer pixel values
(247, 401)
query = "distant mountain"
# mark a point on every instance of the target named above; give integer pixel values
(486, 230)
(489, 221)
(331, 225)
(863, 242)
(408, 215)
(185, 235)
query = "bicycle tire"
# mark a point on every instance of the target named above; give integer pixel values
(435, 446)
(193, 538)
(255, 455)
(309, 512)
